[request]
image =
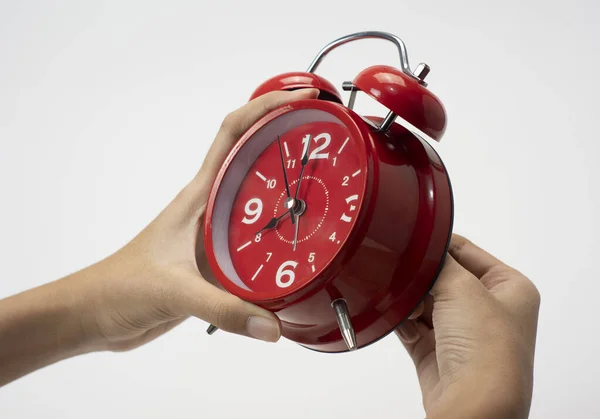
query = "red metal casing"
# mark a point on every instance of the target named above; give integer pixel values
(299, 80)
(404, 96)
(394, 254)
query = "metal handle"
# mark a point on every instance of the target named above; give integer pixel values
(404, 66)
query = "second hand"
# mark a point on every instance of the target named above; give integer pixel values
(304, 162)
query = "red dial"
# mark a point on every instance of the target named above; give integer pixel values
(272, 256)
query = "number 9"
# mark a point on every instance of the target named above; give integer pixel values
(254, 214)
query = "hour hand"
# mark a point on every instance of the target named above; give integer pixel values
(272, 223)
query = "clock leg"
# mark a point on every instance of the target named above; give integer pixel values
(343, 318)
(211, 329)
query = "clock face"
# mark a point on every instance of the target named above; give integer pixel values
(288, 201)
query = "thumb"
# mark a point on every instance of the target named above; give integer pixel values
(230, 313)
(239, 121)
(232, 128)
(455, 283)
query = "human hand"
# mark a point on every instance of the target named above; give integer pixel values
(154, 282)
(473, 339)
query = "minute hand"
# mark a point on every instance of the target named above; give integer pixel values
(304, 162)
(285, 179)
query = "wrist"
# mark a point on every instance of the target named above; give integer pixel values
(87, 299)
(76, 311)
(482, 398)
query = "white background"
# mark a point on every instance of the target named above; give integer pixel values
(107, 110)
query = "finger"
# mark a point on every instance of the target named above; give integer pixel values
(471, 257)
(417, 338)
(427, 314)
(408, 331)
(192, 199)
(230, 313)
(417, 311)
(239, 121)
(454, 282)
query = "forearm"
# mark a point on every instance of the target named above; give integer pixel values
(40, 327)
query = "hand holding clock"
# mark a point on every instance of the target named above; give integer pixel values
(473, 340)
(472, 345)
(146, 288)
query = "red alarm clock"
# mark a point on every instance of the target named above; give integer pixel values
(338, 223)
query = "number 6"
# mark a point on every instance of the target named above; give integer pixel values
(281, 272)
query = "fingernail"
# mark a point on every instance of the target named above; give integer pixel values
(408, 332)
(306, 92)
(418, 311)
(263, 329)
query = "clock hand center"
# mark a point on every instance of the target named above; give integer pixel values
(298, 207)
(289, 203)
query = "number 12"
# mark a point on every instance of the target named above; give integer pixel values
(315, 154)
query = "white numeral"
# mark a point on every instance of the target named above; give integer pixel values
(282, 272)
(253, 213)
(351, 198)
(315, 154)
(332, 237)
(334, 160)
(271, 183)
(269, 254)
(311, 257)
(305, 142)
(291, 164)
(345, 181)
